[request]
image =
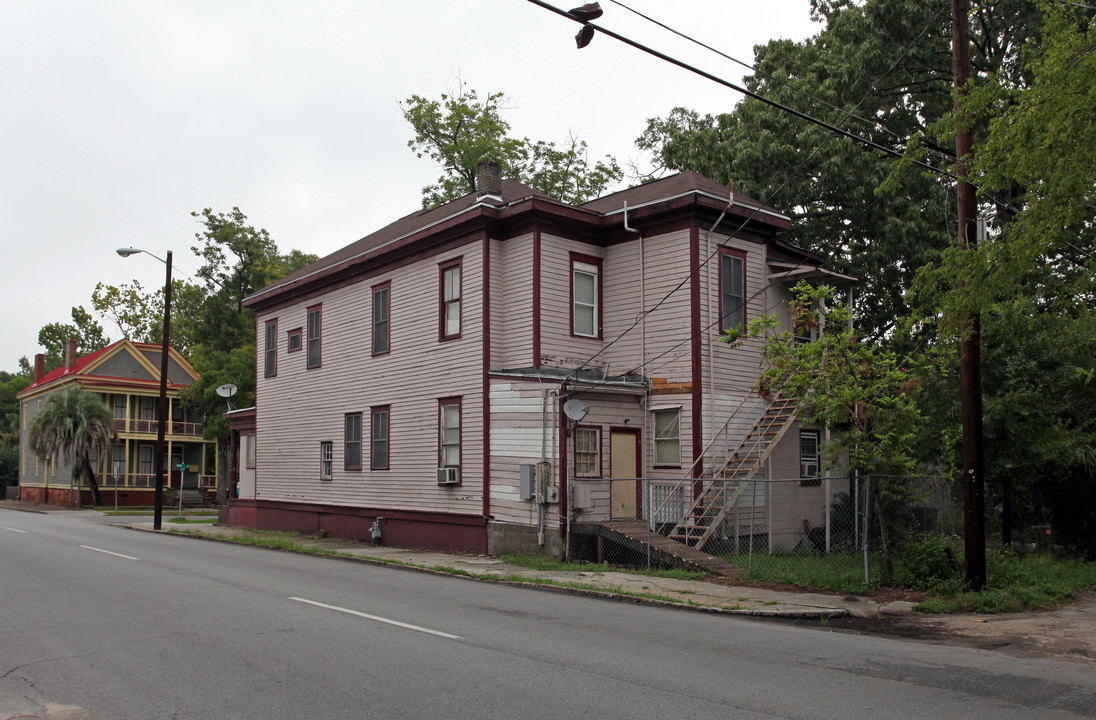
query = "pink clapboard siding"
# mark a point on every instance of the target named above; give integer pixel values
(512, 308)
(301, 407)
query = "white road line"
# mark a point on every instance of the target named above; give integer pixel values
(108, 552)
(16, 530)
(397, 623)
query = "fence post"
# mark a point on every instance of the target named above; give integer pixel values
(753, 511)
(650, 515)
(867, 506)
(827, 500)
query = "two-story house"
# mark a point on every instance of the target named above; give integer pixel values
(478, 374)
(126, 375)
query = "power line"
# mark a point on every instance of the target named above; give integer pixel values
(748, 93)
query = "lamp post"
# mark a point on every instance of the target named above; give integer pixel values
(161, 425)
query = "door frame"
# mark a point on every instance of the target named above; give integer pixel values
(637, 433)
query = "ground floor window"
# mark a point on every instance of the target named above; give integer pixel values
(587, 452)
(808, 458)
(668, 437)
(325, 460)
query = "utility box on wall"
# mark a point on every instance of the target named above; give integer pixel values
(527, 481)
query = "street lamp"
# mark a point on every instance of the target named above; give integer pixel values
(161, 425)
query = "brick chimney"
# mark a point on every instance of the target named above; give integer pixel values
(488, 180)
(70, 354)
(39, 367)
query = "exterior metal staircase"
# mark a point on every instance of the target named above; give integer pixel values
(721, 491)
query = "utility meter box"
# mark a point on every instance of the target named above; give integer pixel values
(527, 481)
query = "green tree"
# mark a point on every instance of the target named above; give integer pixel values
(10, 385)
(74, 425)
(881, 69)
(239, 259)
(459, 130)
(84, 329)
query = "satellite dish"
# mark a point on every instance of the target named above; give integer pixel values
(575, 409)
(227, 390)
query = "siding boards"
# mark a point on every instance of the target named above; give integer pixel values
(512, 303)
(300, 408)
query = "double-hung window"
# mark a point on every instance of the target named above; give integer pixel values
(587, 452)
(326, 453)
(314, 327)
(381, 311)
(585, 296)
(379, 449)
(352, 442)
(449, 432)
(668, 437)
(119, 402)
(732, 293)
(270, 349)
(450, 300)
(808, 457)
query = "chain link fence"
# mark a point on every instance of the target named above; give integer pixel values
(838, 532)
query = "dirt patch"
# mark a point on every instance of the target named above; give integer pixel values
(1067, 632)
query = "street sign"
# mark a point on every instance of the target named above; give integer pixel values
(182, 466)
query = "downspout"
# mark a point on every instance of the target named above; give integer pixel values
(564, 480)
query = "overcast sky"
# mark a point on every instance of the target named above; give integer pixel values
(119, 118)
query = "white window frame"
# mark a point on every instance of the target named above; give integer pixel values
(588, 451)
(667, 435)
(582, 307)
(449, 432)
(810, 462)
(327, 454)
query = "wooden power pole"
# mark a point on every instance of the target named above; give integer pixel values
(970, 351)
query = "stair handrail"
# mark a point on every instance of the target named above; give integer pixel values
(688, 472)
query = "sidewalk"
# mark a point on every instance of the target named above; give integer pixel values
(689, 594)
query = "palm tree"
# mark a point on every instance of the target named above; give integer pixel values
(73, 425)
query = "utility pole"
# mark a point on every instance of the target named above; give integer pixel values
(970, 351)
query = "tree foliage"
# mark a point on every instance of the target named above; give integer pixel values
(860, 390)
(459, 130)
(881, 69)
(84, 329)
(74, 425)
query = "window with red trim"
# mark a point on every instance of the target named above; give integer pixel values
(732, 289)
(449, 301)
(585, 296)
(270, 349)
(314, 328)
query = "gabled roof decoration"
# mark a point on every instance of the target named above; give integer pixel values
(83, 368)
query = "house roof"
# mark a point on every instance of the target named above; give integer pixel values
(675, 186)
(686, 186)
(83, 368)
(512, 191)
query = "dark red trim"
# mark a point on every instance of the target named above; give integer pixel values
(294, 333)
(401, 527)
(459, 402)
(380, 287)
(562, 460)
(695, 338)
(742, 255)
(442, 268)
(387, 409)
(486, 399)
(536, 298)
(270, 345)
(308, 351)
(598, 263)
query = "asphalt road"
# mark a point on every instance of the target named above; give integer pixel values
(126, 624)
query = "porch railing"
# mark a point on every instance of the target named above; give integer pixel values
(151, 427)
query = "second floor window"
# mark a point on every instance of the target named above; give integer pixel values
(314, 324)
(352, 450)
(732, 295)
(450, 300)
(586, 297)
(381, 311)
(270, 349)
(119, 407)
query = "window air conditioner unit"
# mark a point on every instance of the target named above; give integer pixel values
(448, 476)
